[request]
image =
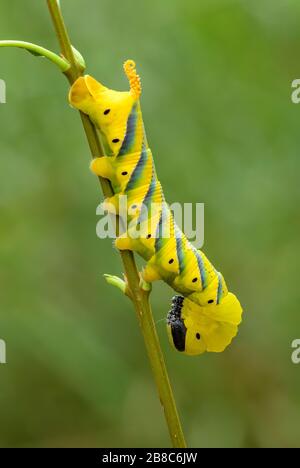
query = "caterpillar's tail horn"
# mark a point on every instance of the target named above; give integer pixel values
(133, 78)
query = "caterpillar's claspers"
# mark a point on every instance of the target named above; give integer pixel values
(205, 317)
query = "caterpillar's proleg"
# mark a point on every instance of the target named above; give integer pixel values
(111, 204)
(102, 167)
(150, 273)
(124, 243)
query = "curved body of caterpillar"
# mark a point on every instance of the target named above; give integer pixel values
(207, 316)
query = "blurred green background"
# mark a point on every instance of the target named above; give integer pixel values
(216, 101)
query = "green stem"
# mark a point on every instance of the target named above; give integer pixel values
(139, 297)
(63, 64)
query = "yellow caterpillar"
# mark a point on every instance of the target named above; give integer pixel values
(206, 316)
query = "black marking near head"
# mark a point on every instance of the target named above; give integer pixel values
(107, 111)
(177, 303)
(178, 328)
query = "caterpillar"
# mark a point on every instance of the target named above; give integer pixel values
(204, 316)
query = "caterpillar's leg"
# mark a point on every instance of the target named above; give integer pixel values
(150, 273)
(144, 284)
(124, 242)
(147, 276)
(111, 204)
(102, 167)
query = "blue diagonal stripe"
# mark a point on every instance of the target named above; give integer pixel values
(220, 289)
(130, 132)
(135, 176)
(179, 249)
(201, 269)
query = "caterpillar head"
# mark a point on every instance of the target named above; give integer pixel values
(109, 110)
(194, 329)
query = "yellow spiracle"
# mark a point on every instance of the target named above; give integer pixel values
(133, 77)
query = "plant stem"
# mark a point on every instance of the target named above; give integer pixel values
(139, 297)
(38, 50)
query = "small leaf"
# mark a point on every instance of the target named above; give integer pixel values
(79, 59)
(116, 281)
(144, 285)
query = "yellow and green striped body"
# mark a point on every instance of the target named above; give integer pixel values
(151, 229)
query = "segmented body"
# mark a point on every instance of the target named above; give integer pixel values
(170, 255)
(151, 229)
